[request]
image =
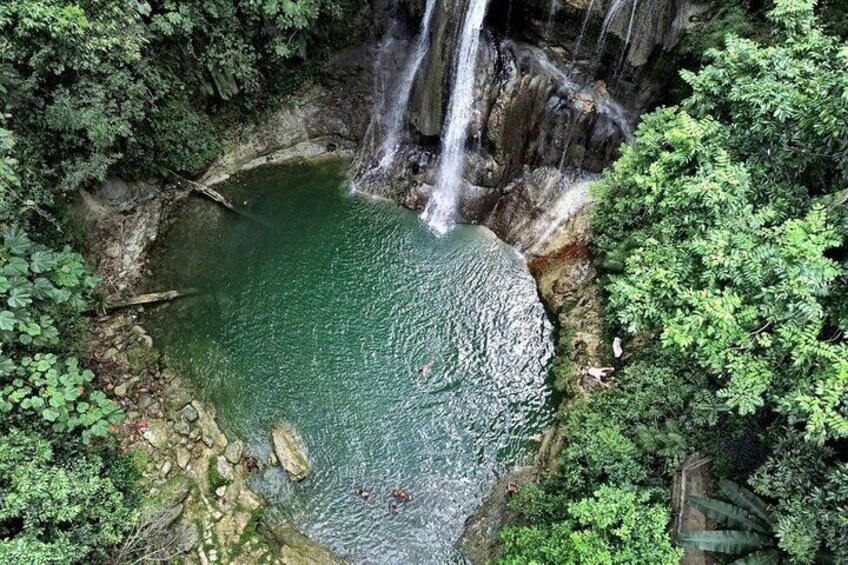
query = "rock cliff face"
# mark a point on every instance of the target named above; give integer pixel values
(559, 85)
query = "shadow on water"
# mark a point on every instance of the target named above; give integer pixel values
(326, 322)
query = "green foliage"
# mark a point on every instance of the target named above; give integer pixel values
(94, 87)
(734, 284)
(723, 232)
(635, 433)
(629, 439)
(59, 503)
(756, 530)
(179, 139)
(810, 485)
(784, 107)
(613, 526)
(42, 294)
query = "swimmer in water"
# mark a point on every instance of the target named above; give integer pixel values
(401, 495)
(393, 508)
(250, 464)
(362, 493)
(426, 368)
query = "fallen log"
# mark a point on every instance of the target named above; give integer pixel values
(153, 298)
(222, 200)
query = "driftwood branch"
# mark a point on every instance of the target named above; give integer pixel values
(153, 298)
(222, 200)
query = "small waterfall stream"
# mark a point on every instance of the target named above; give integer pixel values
(582, 36)
(441, 209)
(613, 13)
(396, 115)
(553, 10)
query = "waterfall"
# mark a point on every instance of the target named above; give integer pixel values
(613, 12)
(582, 35)
(396, 115)
(442, 206)
(552, 14)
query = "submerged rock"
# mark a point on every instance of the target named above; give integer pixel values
(291, 451)
(297, 549)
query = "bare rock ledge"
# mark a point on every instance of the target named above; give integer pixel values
(291, 451)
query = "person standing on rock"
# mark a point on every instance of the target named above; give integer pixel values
(617, 352)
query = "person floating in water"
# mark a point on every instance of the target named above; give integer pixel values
(250, 464)
(362, 493)
(401, 495)
(426, 368)
(393, 508)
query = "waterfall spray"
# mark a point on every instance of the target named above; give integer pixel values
(396, 115)
(441, 209)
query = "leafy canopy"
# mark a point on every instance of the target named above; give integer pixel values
(723, 218)
(613, 526)
(59, 504)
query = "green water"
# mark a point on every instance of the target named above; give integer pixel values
(324, 320)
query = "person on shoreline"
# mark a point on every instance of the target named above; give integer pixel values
(617, 352)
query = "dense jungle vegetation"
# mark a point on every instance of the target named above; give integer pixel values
(90, 88)
(721, 232)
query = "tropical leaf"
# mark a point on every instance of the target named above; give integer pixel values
(19, 298)
(733, 542)
(747, 500)
(42, 288)
(16, 266)
(728, 514)
(17, 241)
(42, 261)
(7, 320)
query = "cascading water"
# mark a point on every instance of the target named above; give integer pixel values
(612, 14)
(441, 209)
(552, 14)
(582, 35)
(397, 110)
(627, 37)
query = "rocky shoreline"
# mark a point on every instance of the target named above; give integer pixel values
(192, 472)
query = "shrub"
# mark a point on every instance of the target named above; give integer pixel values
(59, 503)
(614, 526)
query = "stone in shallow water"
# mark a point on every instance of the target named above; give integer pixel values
(291, 451)
(297, 549)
